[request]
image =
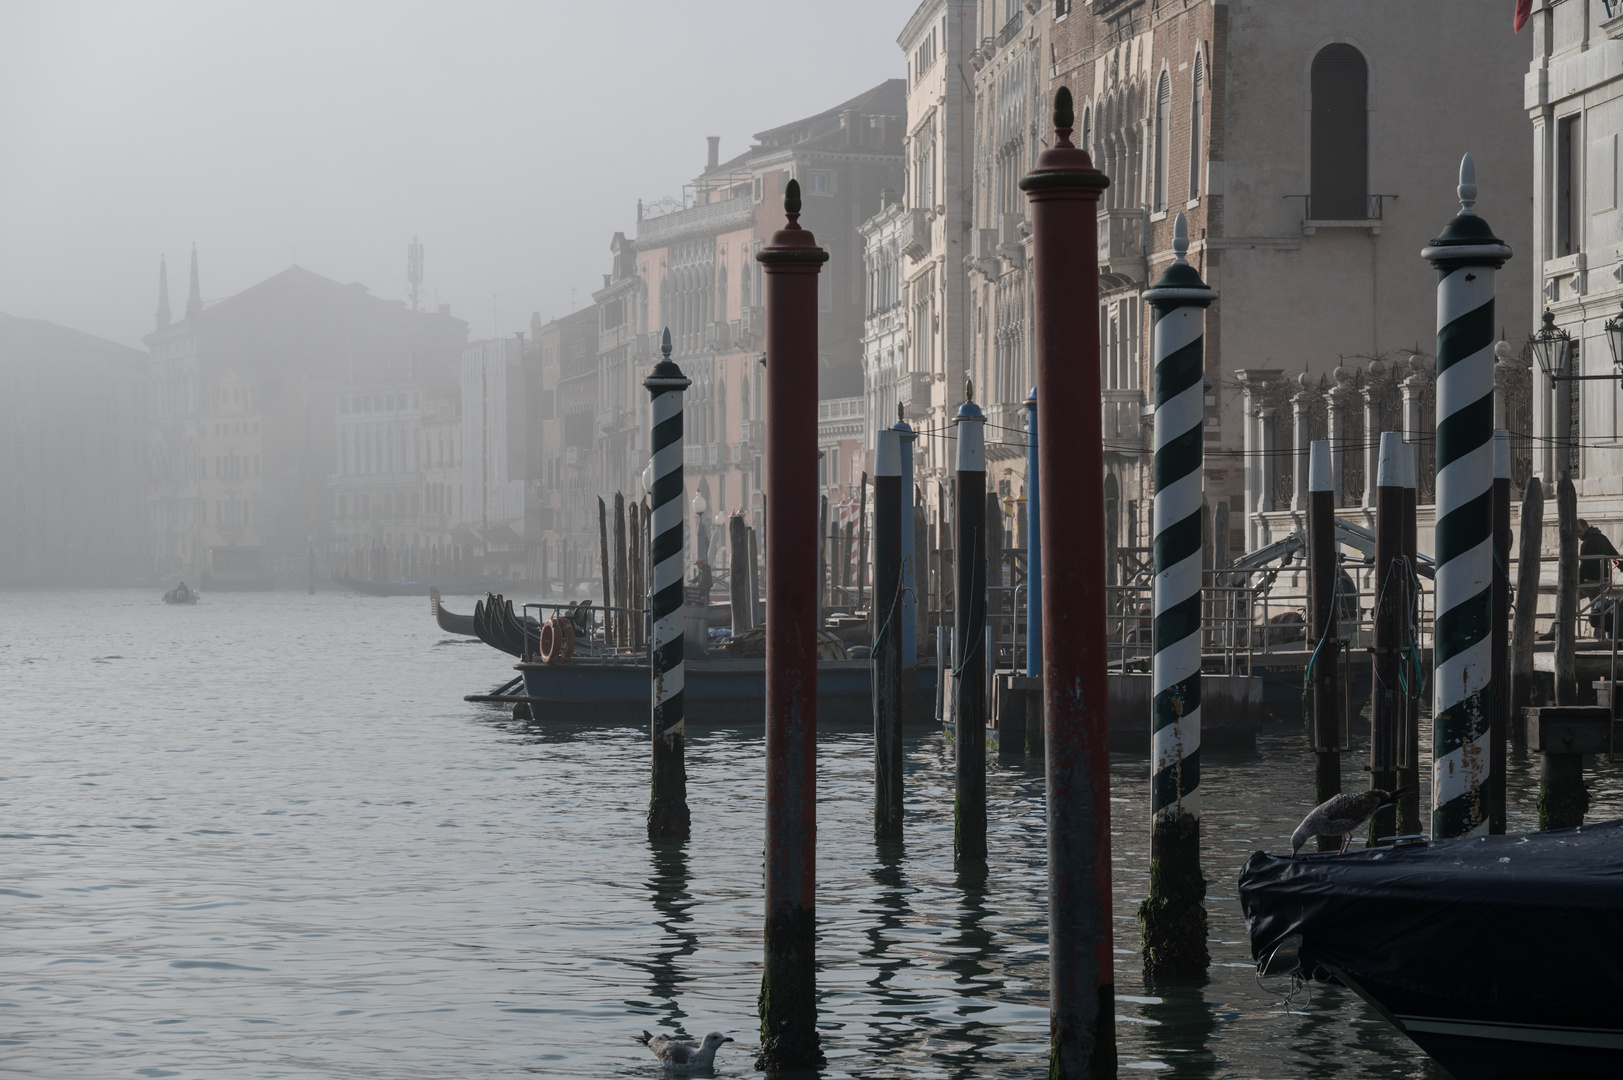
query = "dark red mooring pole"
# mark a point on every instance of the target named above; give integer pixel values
(788, 1002)
(1064, 192)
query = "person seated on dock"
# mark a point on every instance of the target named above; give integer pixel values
(1594, 572)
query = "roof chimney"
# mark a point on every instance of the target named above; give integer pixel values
(713, 158)
(848, 121)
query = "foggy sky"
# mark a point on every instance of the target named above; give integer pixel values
(512, 138)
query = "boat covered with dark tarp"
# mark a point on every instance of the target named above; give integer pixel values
(1499, 956)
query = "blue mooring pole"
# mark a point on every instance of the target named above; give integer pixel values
(668, 817)
(1466, 255)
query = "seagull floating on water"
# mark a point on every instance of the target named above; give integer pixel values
(677, 1054)
(1342, 815)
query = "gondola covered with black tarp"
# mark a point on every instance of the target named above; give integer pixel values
(1500, 956)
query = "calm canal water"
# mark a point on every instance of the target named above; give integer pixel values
(265, 837)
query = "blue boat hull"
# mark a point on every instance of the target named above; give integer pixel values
(716, 692)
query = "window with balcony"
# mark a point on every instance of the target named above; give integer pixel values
(1339, 144)
(1163, 127)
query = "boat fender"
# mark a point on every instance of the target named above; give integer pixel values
(557, 640)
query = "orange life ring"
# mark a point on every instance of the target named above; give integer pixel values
(557, 640)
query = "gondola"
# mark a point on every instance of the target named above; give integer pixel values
(181, 594)
(449, 622)
(1497, 955)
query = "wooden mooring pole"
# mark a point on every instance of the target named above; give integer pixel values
(788, 1000)
(1173, 915)
(1566, 591)
(1529, 546)
(668, 817)
(1500, 635)
(1387, 694)
(1408, 808)
(969, 622)
(1034, 581)
(1324, 574)
(738, 575)
(887, 636)
(606, 568)
(1063, 192)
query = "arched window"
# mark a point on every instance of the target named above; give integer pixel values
(1340, 139)
(1196, 110)
(1163, 127)
(721, 296)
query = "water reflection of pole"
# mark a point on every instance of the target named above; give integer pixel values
(672, 901)
(1181, 1032)
(972, 952)
(887, 918)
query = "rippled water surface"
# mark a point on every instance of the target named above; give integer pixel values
(265, 837)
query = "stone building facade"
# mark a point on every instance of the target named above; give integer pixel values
(1310, 181)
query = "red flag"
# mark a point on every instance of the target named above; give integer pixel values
(1524, 8)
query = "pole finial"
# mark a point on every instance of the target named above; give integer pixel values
(901, 413)
(791, 203)
(665, 343)
(1064, 116)
(1467, 188)
(969, 391)
(1180, 238)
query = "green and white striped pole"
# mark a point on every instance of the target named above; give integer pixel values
(667, 802)
(1466, 256)
(1173, 916)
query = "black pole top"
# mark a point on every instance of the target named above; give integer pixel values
(1467, 240)
(666, 375)
(1180, 284)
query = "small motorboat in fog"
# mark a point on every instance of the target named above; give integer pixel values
(181, 594)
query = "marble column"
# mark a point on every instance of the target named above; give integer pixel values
(1265, 471)
(1339, 404)
(1252, 383)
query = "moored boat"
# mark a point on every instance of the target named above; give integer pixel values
(181, 594)
(450, 622)
(1499, 956)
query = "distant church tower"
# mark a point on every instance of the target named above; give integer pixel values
(414, 270)
(194, 298)
(163, 294)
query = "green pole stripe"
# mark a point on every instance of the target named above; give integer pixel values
(1177, 458)
(1176, 781)
(1463, 430)
(1176, 542)
(667, 431)
(1177, 372)
(1464, 527)
(1464, 721)
(1461, 626)
(1465, 336)
(667, 600)
(668, 544)
(1460, 815)
(1176, 622)
(667, 488)
(1174, 702)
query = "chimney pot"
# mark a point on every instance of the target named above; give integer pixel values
(714, 156)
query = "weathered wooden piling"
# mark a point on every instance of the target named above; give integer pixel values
(822, 558)
(1173, 915)
(622, 573)
(1324, 575)
(605, 567)
(887, 646)
(1466, 254)
(1063, 192)
(1500, 634)
(788, 1001)
(1408, 808)
(1528, 559)
(969, 624)
(1566, 591)
(1034, 580)
(738, 575)
(862, 543)
(1388, 707)
(668, 817)
(755, 580)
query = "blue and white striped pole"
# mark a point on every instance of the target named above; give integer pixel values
(667, 803)
(1173, 915)
(1466, 256)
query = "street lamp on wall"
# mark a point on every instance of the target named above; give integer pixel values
(1552, 348)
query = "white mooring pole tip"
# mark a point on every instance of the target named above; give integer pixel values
(1467, 188)
(1180, 237)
